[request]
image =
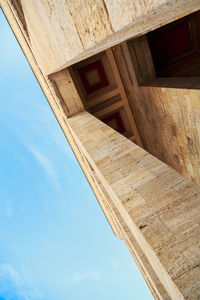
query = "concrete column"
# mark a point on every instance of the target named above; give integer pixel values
(159, 208)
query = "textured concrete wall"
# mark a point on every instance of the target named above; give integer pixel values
(59, 31)
(167, 119)
(159, 206)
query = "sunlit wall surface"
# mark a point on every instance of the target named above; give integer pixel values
(55, 243)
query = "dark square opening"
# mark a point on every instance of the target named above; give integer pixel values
(170, 55)
(175, 48)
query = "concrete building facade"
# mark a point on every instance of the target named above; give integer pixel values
(122, 78)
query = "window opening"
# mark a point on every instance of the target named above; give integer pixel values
(169, 55)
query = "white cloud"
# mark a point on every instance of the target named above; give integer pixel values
(52, 174)
(44, 161)
(12, 285)
(79, 276)
(8, 271)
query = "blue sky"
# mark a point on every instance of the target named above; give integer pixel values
(55, 243)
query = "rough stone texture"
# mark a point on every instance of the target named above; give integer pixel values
(167, 120)
(91, 20)
(66, 92)
(123, 12)
(54, 38)
(122, 231)
(159, 206)
(62, 30)
(157, 209)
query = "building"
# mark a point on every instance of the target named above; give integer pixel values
(123, 79)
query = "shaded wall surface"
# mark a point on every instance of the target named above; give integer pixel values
(167, 119)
